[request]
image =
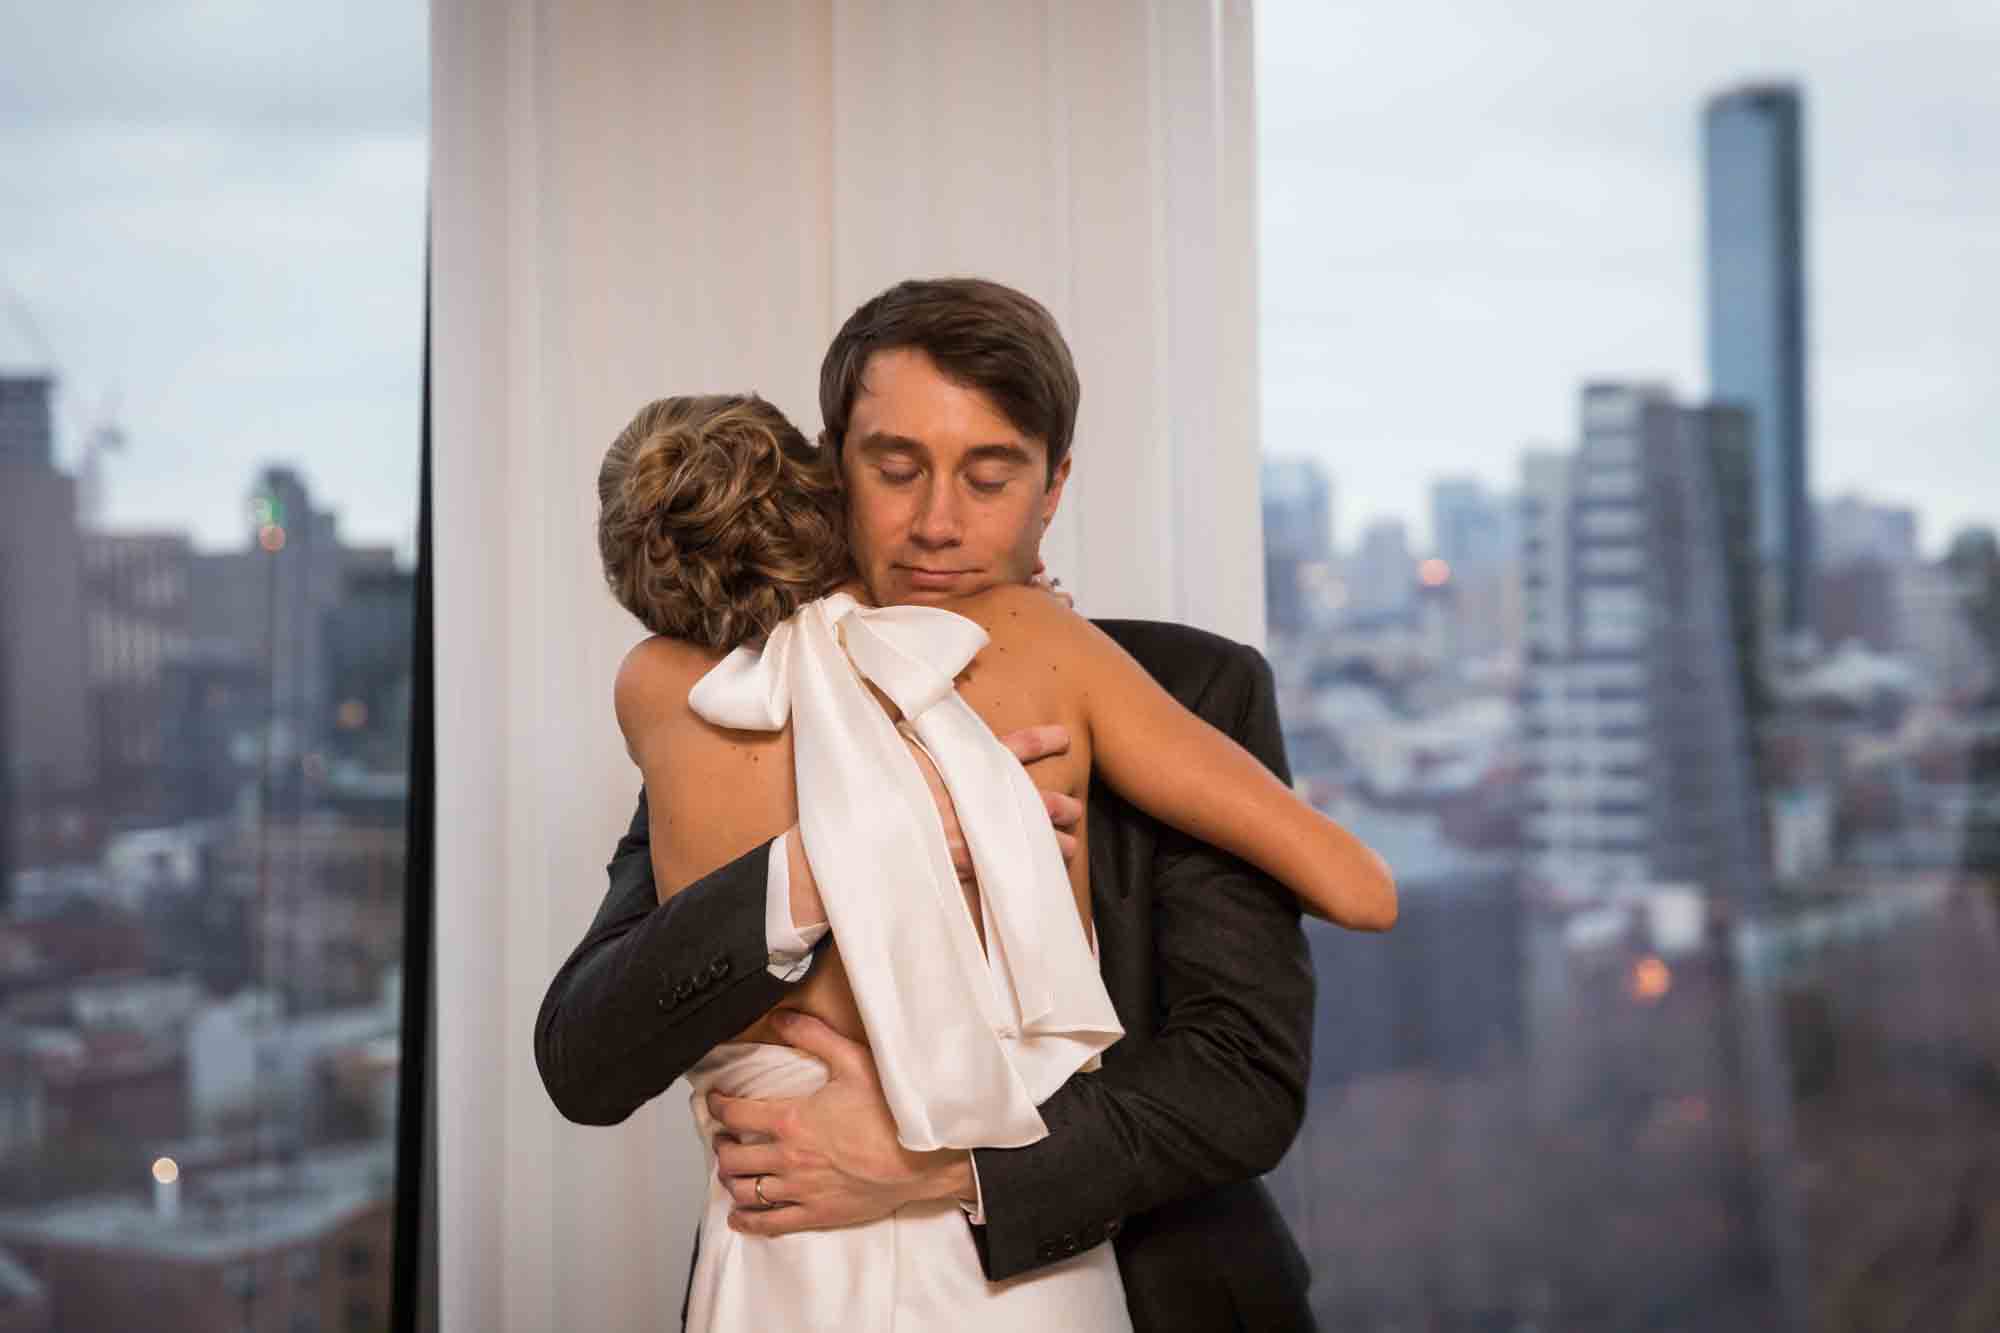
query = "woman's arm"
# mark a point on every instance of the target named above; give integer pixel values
(669, 967)
(1184, 772)
(1208, 1089)
(711, 794)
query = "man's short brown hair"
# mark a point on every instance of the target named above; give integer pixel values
(982, 335)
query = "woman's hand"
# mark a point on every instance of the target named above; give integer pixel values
(1052, 586)
(1026, 745)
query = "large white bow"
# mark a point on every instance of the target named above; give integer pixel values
(966, 1044)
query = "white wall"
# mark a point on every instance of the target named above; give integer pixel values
(637, 199)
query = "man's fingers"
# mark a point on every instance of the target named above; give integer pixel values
(840, 1055)
(743, 1192)
(746, 1159)
(781, 1221)
(1032, 743)
(1065, 811)
(745, 1115)
(1066, 844)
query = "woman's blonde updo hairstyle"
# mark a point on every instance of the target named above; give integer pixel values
(717, 519)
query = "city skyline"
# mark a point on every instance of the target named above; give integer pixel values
(1459, 211)
(1465, 216)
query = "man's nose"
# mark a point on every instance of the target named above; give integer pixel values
(939, 522)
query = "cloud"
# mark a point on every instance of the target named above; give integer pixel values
(238, 66)
(1468, 210)
(215, 215)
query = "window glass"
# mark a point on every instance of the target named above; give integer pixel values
(1687, 1022)
(211, 315)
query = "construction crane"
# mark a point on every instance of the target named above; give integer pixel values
(97, 433)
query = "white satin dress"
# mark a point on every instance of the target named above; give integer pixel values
(967, 1042)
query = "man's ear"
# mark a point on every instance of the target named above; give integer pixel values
(1053, 495)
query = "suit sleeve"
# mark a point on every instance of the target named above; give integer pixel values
(654, 986)
(1219, 1092)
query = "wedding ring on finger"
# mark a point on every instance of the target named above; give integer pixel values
(759, 1189)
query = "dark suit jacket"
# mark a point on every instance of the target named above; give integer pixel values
(1161, 1149)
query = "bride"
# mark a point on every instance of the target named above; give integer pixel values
(773, 694)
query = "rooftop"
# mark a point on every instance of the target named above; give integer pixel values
(228, 1215)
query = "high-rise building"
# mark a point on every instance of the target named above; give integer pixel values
(1298, 541)
(27, 431)
(1852, 529)
(47, 724)
(368, 644)
(1477, 537)
(136, 618)
(268, 603)
(1753, 152)
(1475, 530)
(1640, 760)
(1298, 509)
(1381, 575)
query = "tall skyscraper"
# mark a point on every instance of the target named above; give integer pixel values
(1477, 535)
(1753, 153)
(48, 752)
(269, 601)
(1474, 529)
(136, 590)
(1382, 574)
(1640, 762)
(1298, 540)
(27, 433)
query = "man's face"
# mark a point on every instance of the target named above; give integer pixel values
(945, 495)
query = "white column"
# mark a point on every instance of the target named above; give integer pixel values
(637, 199)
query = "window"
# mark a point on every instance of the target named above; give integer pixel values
(1723, 956)
(211, 318)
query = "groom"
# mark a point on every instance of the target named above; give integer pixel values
(951, 406)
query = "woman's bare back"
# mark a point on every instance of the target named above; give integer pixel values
(689, 762)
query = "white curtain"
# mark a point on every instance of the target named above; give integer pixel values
(636, 199)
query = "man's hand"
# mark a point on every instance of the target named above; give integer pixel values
(832, 1158)
(1027, 745)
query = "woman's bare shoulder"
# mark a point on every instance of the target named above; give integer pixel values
(1017, 609)
(653, 683)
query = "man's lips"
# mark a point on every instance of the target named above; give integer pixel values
(923, 577)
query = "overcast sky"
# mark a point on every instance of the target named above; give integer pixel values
(214, 213)
(1468, 210)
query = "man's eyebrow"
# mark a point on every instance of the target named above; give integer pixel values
(880, 442)
(884, 442)
(998, 453)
